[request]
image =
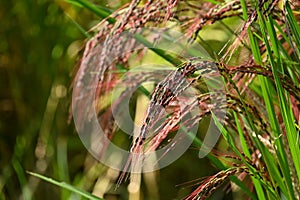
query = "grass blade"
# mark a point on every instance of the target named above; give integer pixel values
(100, 12)
(66, 186)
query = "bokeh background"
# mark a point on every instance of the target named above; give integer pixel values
(40, 43)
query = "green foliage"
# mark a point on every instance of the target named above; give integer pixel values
(66, 186)
(260, 134)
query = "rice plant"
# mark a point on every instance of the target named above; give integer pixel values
(256, 111)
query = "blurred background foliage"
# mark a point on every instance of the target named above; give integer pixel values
(40, 43)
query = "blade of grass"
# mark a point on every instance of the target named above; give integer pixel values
(274, 123)
(66, 186)
(26, 192)
(293, 24)
(285, 109)
(285, 57)
(160, 52)
(100, 12)
(279, 143)
(256, 183)
(80, 28)
(241, 135)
